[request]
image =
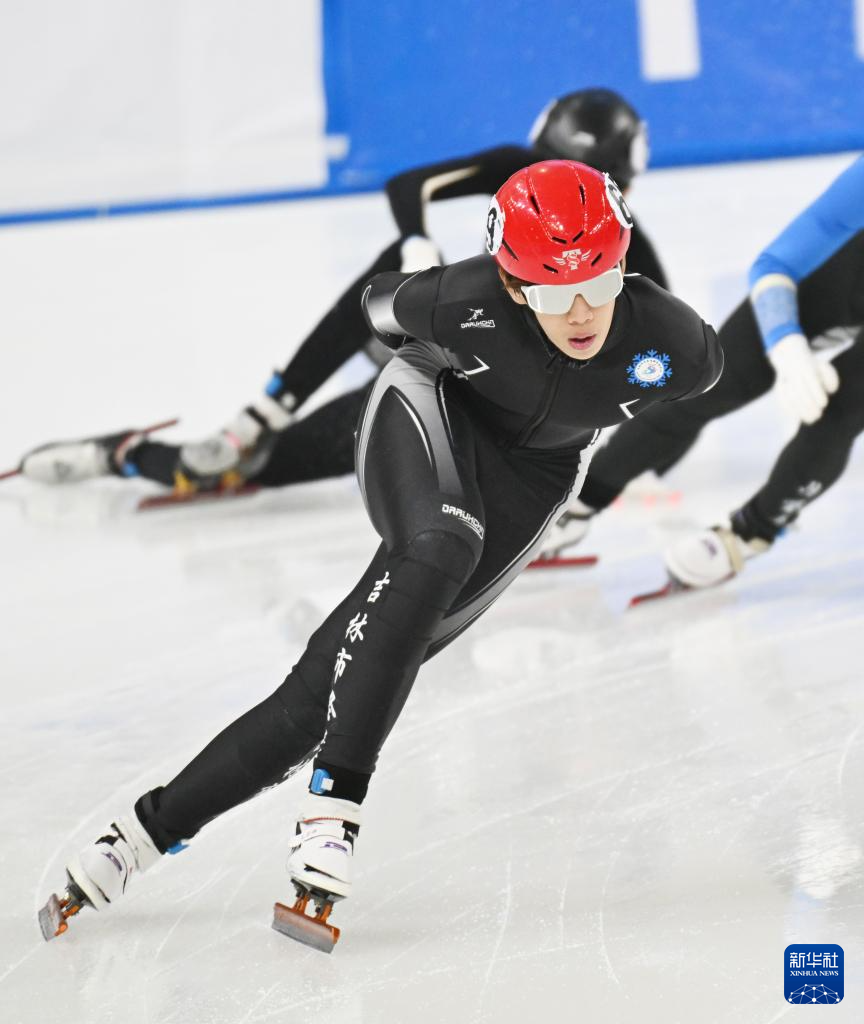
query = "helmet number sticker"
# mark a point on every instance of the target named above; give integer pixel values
(618, 203)
(494, 227)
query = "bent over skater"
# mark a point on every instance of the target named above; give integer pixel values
(806, 289)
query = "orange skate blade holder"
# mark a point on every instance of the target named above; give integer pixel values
(232, 481)
(183, 485)
(53, 917)
(302, 927)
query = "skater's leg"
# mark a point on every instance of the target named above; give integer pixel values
(380, 631)
(417, 471)
(662, 435)
(814, 459)
(809, 464)
(263, 746)
(319, 446)
(259, 749)
(440, 577)
(156, 461)
(340, 334)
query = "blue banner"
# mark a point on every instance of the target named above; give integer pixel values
(411, 83)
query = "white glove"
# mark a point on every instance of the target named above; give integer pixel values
(419, 253)
(803, 382)
(243, 445)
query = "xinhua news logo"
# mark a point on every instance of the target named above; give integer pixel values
(813, 974)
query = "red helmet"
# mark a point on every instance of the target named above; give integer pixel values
(558, 222)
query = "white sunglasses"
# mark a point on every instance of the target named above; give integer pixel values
(558, 298)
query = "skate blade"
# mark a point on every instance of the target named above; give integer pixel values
(563, 561)
(53, 916)
(195, 497)
(311, 931)
(163, 425)
(669, 589)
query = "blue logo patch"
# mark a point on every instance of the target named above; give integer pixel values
(813, 973)
(649, 369)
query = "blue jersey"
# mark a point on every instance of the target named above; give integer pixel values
(814, 236)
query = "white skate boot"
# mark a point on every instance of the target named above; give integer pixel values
(570, 529)
(98, 876)
(68, 462)
(320, 866)
(709, 557)
(244, 445)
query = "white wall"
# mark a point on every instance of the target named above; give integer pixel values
(110, 100)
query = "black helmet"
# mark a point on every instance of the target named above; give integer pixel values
(597, 127)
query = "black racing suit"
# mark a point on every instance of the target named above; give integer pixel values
(473, 439)
(321, 445)
(831, 296)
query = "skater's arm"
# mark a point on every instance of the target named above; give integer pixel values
(400, 306)
(480, 173)
(803, 383)
(815, 235)
(340, 334)
(710, 368)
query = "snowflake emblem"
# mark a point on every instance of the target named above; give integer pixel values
(649, 369)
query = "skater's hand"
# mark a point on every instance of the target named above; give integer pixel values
(241, 447)
(419, 253)
(804, 383)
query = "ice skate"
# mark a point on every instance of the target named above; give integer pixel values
(220, 465)
(710, 557)
(704, 559)
(569, 530)
(98, 876)
(66, 462)
(320, 866)
(212, 469)
(564, 562)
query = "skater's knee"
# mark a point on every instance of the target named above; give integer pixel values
(299, 711)
(426, 575)
(450, 553)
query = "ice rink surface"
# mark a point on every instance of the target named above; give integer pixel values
(584, 813)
